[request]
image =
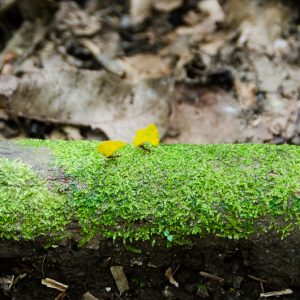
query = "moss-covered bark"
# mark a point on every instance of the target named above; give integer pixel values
(172, 191)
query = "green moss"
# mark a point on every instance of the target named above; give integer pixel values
(229, 190)
(27, 207)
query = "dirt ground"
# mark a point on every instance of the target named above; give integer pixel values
(204, 71)
(237, 274)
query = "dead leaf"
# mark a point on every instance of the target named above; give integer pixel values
(94, 99)
(4, 280)
(212, 15)
(73, 133)
(88, 296)
(255, 22)
(167, 5)
(53, 284)
(270, 74)
(139, 10)
(169, 275)
(145, 66)
(246, 93)
(120, 278)
(213, 9)
(7, 283)
(8, 85)
(203, 116)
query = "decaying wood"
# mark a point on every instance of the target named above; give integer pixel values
(266, 253)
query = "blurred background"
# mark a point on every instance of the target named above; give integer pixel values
(204, 71)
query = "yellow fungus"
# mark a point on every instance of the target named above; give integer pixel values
(108, 148)
(149, 135)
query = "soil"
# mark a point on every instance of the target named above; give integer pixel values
(246, 267)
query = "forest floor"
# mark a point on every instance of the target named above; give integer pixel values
(204, 71)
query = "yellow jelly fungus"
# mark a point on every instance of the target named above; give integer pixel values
(149, 135)
(108, 148)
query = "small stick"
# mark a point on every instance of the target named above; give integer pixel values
(108, 63)
(257, 278)
(277, 293)
(210, 276)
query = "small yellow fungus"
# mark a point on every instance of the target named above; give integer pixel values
(149, 135)
(108, 148)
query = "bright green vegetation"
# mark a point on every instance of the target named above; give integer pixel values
(27, 207)
(173, 191)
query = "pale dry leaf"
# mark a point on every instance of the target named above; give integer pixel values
(213, 9)
(94, 99)
(53, 284)
(213, 15)
(4, 280)
(140, 10)
(8, 85)
(255, 22)
(73, 133)
(120, 278)
(167, 5)
(145, 66)
(246, 94)
(169, 275)
(203, 116)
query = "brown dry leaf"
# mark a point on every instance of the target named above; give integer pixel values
(8, 84)
(167, 5)
(145, 66)
(88, 296)
(169, 275)
(140, 10)
(246, 94)
(73, 133)
(97, 99)
(255, 22)
(212, 14)
(270, 74)
(203, 116)
(120, 278)
(213, 9)
(53, 284)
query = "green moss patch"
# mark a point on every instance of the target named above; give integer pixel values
(176, 191)
(27, 207)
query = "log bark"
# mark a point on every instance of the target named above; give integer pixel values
(243, 196)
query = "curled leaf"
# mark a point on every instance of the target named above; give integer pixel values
(108, 148)
(149, 135)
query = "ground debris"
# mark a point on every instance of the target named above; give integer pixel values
(120, 278)
(169, 275)
(276, 293)
(51, 283)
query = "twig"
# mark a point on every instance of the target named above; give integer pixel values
(210, 276)
(43, 265)
(276, 293)
(257, 278)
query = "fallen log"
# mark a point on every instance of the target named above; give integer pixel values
(246, 196)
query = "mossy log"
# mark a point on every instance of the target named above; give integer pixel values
(53, 191)
(175, 191)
